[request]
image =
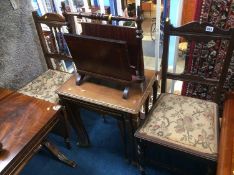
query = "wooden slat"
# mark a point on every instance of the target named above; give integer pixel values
(52, 23)
(99, 17)
(192, 78)
(206, 37)
(58, 56)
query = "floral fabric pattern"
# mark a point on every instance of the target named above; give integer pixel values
(45, 85)
(189, 122)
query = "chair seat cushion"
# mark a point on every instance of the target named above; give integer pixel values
(182, 122)
(44, 86)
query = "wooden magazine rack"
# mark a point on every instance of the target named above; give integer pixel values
(107, 51)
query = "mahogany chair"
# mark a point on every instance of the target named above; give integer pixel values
(183, 123)
(49, 29)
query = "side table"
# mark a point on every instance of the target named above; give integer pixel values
(106, 100)
(24, 124)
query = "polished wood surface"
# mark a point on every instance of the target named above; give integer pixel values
(24, 122)
(127, 34)
(4, 92)
(109, 97)
(226, 143)
(99, 57)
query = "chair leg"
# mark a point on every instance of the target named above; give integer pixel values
(140, 156)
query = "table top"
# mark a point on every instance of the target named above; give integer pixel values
(5, 92)
(226, 144)
(109, 96)
(22, 118)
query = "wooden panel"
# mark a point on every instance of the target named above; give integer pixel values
(23, 119)
(146, 6)
(102, 57)
(127, 34)
(226, 144)
(189, 9)
(109, 97)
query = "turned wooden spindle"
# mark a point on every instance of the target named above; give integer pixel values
(139, 36)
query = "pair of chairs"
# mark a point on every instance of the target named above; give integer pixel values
(181, 123)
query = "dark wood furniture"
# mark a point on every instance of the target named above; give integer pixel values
(50, 32)
(174, 121)
(103, 58)
(200, 33)
(120, 61)
(49, 29)
(24, 124)
(107, 100)
(4, 93)
(226, 143)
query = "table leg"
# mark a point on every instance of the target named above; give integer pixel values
(122, 127)
(58, 154)
(77, 124)
(66, 127)
(131, 125)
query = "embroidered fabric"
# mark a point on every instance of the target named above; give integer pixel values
(44, 86)
(185, 121)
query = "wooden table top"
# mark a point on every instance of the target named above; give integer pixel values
(226, 144)
(107, 96)
(22, 119)
(5, 92)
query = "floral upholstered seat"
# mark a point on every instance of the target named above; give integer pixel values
(179, 120)
(44, 86)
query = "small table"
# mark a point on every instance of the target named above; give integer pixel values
(106, 100)
(24, 123)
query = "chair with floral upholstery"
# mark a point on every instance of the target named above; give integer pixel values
(181, 123)
(50, 28)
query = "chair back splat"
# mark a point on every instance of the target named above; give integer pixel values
(202, 33)
(50, 29)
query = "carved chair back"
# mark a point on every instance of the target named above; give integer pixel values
(50, 28)
(203, 33)
(131, 35)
